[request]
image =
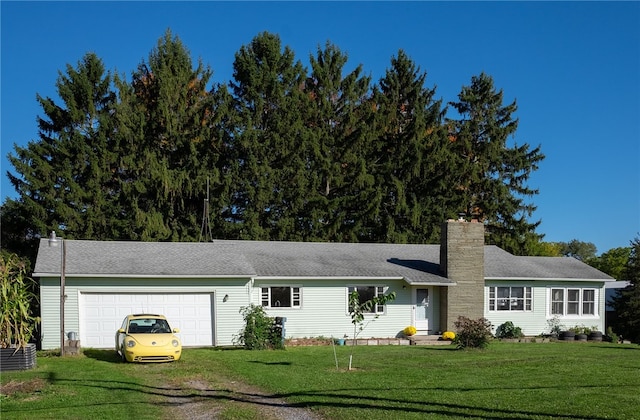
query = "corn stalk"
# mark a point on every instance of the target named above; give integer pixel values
(16, 321)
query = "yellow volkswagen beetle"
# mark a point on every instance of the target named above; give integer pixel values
(147, 338)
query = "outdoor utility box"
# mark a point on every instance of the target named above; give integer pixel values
(72, 345)
(279, 325)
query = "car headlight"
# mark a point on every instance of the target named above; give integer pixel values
(175, 343)
(131, 343)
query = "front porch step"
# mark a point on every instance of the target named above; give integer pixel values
(428, 340)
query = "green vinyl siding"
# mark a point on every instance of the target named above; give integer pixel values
(324, 309)
(535, 321)
(227, 320)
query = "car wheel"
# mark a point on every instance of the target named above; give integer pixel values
(122, 356)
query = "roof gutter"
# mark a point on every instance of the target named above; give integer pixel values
(145, 276)
(548, 279)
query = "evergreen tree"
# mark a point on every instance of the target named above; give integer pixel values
(169, 145)
(627, 303)
(488, 178)
(343, 191)
(408, 156)
(17, 234)
(268, 142)
(65, 180)
(289, 155)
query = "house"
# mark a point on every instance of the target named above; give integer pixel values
(202, 287)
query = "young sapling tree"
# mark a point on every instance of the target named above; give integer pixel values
(358, 310)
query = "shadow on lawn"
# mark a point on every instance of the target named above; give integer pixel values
(390, 405)
(102, 355)
(344, 398)
(270, 363)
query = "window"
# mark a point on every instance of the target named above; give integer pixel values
(588, 302)
(366, 293)
(557, 302)
(510, 298)
(572, 301)
(281, 297)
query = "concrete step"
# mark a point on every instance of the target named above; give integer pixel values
(428, 340)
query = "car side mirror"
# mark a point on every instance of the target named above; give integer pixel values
(176, 330)
(121, 330)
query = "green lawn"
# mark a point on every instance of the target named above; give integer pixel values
(505, 381)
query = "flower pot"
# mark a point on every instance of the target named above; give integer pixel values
(567, 335)
(22, 359)
(581, 337)
(595, 336)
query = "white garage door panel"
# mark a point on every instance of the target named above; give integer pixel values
(102, 314)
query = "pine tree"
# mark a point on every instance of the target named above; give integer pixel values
(488, 177)
(627, 302)
(169, 145)
(65, 180)
(289, 155)
(408, 156)
(343, 191)
(268, 142)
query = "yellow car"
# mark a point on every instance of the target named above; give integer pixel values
(147, 338)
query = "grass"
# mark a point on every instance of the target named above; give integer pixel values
(505, 381)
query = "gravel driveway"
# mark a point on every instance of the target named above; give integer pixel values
(201, 400)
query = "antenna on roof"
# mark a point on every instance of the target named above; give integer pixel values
(205, 218)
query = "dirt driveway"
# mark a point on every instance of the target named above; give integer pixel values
(201, 400)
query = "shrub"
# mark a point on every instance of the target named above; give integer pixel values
(472, 333)
(508, 330)
(260, 331)
(611, 336)
(409, 331)
(555, 326)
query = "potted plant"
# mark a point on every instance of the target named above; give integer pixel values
(595, 335)
(568, 335)
(409, 331)
(581, 332)
(17, 323)
(555, 327)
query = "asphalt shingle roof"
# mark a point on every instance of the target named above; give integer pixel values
(221, 258)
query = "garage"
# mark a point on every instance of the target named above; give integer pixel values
(101, 314)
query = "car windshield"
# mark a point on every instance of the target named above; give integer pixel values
(149, 326)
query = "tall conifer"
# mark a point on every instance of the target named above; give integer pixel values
(65, 179)
(408, 156)
(343, 192)
(268, 141)
(490, 177)
(169, 147)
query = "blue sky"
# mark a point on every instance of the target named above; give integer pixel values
(573, 68)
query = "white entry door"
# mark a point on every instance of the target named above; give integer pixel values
(421, 310)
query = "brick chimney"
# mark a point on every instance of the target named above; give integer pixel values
(462, 261)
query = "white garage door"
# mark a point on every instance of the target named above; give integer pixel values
(101, 315)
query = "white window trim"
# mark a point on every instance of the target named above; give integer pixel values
(293, 296)
(378, 290)
(565, 301)
(496, 298)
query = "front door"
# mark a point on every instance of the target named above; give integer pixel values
(421, 310)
